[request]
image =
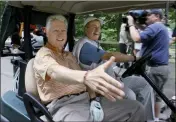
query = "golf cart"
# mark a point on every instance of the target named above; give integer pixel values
(25, 105)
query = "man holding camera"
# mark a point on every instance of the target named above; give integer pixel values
(154, 40)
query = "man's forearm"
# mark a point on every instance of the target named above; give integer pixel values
(65, 75)
(119, 57)
(134, 34)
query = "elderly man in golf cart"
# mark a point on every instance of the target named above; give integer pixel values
(63, 86)
(89, 55)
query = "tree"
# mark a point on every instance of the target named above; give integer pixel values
(172, 17)
(2, 6)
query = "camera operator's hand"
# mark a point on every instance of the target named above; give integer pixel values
(130, 20)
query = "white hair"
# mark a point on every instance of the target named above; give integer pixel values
(55, 17)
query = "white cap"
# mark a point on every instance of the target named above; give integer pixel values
(91, 19)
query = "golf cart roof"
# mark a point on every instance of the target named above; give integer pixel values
(83, 7)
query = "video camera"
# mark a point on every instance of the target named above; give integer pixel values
(138, 15)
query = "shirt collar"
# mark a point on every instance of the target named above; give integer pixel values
(54, 49)
(92, 41)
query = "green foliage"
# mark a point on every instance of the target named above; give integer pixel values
(2, 6)
(172, 18)
(109, 34)
(79, 28)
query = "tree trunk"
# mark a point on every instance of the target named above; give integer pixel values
(119, 21)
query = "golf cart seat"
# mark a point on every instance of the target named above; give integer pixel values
(12, 105)
(31, 98)
(12, 108)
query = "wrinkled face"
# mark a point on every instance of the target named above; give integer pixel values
(57, 34)
(93, 30)
(151, 18)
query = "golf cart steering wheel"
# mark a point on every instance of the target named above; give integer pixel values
(137, 67)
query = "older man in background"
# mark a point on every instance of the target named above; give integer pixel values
(89, 55)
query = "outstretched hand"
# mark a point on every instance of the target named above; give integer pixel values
(100, 82)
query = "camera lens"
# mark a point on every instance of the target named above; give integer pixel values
(124, 20)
